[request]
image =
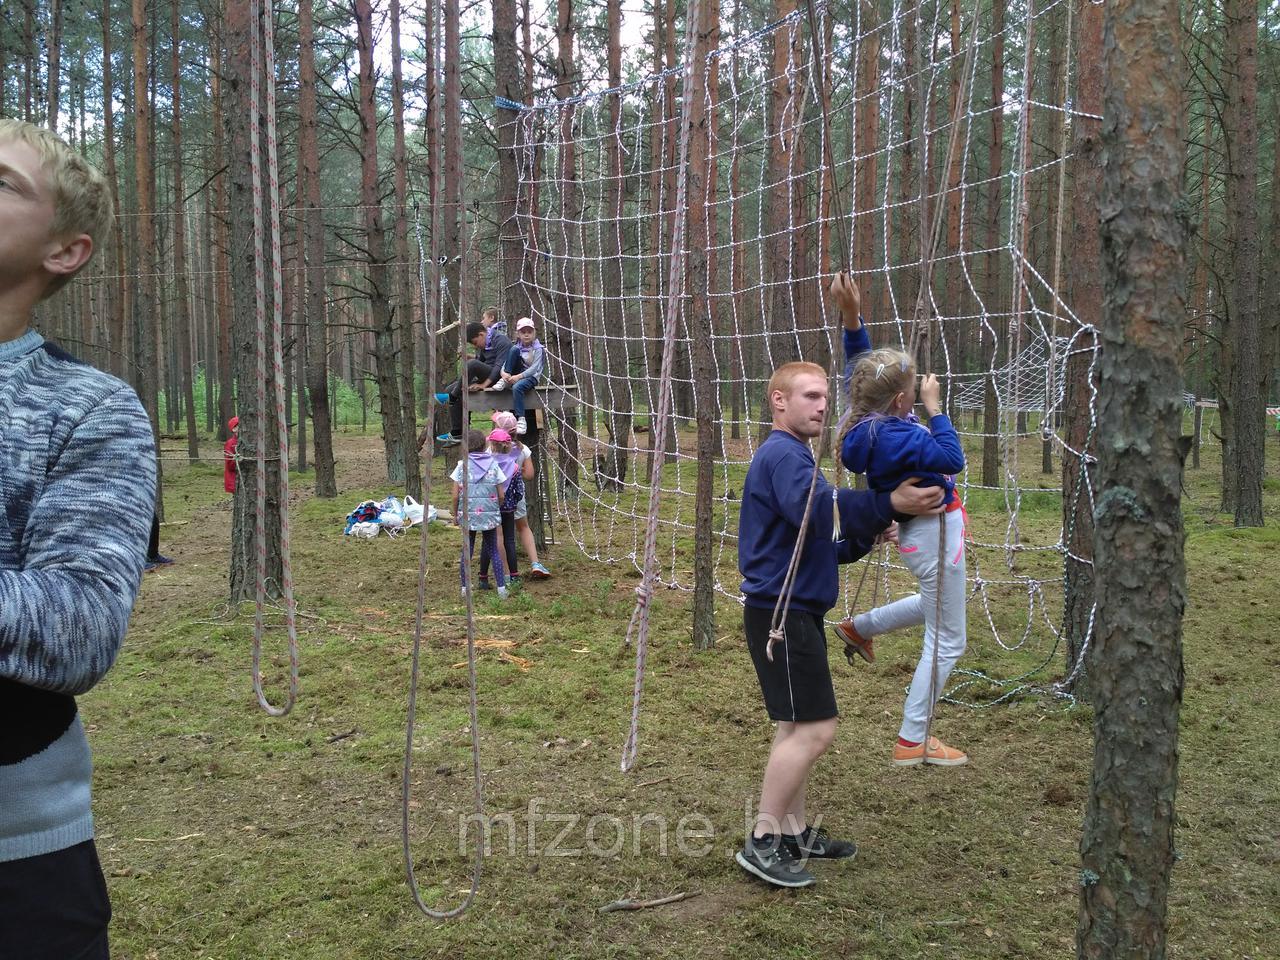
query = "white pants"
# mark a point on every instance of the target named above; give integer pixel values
(918, 546)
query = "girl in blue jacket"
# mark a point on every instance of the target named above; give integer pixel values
(888, 443)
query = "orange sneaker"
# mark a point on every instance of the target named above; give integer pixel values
(938, 754)
(854, 642)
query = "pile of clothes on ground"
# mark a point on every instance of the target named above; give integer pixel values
(390, 514)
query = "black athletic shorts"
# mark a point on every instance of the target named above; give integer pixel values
(54, 906)
(797, 683)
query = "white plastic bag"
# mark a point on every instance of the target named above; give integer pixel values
(366, 530)
(412, 511)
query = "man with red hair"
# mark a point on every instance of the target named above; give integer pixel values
(794, 675)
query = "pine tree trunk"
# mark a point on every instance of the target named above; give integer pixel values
(991, 355)
(700, 173)
(453, 172)
(244, 257)
(1243, 412)
(403, 318)
(1271, 285)
(784, 123)
(658, 196)
(182, 286)
(401, 457)
(313, 259)
(1135, 664)
(223, 309)
(53, 76)
(957, 341)
(614, 335)
(147, 314)
(115, 345)
(866, 146)
(1085, 278)
(565, 246)
(506, 73)
(737, 255)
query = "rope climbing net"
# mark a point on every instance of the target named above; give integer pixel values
(929, 140)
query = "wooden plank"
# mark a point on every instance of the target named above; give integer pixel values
(545, 397)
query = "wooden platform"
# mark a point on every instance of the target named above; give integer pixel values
(551, 396)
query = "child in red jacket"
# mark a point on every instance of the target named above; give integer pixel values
(229, 456)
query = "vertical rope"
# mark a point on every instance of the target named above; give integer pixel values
(431, 302)
(675, 291)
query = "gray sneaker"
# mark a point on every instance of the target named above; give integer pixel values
(771, 861)
(818, 845)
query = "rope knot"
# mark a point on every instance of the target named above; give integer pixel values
(775, 634)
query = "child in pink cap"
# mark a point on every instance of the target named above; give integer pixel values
(506, 420)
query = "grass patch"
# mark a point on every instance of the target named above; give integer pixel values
(229, 834)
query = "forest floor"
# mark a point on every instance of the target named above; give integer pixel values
(226, 833)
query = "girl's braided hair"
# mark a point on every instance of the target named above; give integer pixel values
(878, 378)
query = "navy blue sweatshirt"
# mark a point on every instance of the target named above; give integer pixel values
(496, 347)
(773, 499)
(856, 343)
(891, 449)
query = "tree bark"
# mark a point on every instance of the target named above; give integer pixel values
(145, 265)
(453, 171)
(785, 105)
(737, 254)
(957, 342)
(1135, 664)
(244, 257)
(1243, 412)
(116, 351)
(182, 290)
(991, 403)
(866, 149)
(614, 334)
(700, 173)
(313, 258)
(564, 256)
(1271, 289)
(506, 74)
(403, 317)
(1086, 300)
(54, 70)
(401, 454)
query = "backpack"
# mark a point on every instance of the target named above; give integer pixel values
(515, 493)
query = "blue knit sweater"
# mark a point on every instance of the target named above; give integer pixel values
(77, 491)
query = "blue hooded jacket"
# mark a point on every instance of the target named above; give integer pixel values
(891, 449)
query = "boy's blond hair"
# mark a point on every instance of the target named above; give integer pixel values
(81, 194)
